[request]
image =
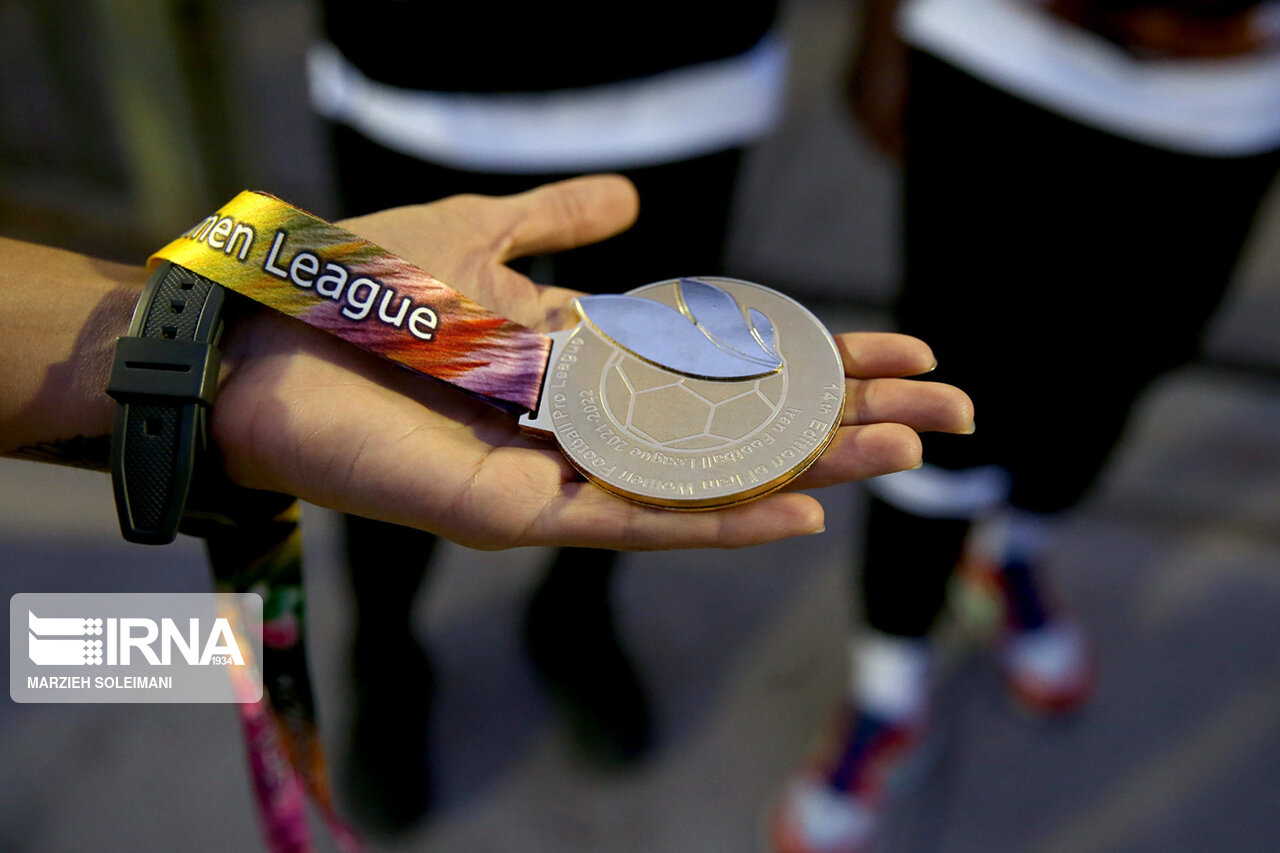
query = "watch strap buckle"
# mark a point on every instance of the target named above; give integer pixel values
(176, 371)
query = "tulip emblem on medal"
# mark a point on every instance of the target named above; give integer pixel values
(697, 377)
(684, 393)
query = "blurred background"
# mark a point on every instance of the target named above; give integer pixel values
(122, 123)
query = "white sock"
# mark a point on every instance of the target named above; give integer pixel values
(891, 676)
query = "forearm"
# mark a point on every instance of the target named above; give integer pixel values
(60, 314)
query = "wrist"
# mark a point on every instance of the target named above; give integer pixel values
(164, 378)
(60, 314)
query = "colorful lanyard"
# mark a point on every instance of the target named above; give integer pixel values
(327, 277)
(286, 759)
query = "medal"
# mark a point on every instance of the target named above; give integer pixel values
(692, 393)
(685, 394)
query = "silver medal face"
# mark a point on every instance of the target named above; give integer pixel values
(692, 393)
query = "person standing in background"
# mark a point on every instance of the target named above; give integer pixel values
(1074, 172)
(426, 100)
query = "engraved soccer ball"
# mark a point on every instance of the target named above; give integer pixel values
(677, 412)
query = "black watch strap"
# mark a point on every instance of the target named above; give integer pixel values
(164, 377)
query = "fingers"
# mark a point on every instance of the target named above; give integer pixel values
(862, 452)
(923, 406)
(874, 394)
(878, 433)
(870, 354)
(569, 213)
(591, 517)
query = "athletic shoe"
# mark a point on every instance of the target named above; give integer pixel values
(1045, 656)
(838, 809)
(1049, 670)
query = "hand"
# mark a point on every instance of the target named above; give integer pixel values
(304, 413)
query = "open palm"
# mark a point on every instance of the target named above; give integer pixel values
(305, 413)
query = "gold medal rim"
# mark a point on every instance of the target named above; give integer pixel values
(722, 502)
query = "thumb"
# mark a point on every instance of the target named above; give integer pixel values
(568, 214)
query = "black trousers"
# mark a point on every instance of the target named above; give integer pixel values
(684, 209)
(1056, 270)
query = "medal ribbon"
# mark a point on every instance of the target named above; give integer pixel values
(261, 551)
(287, 259)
